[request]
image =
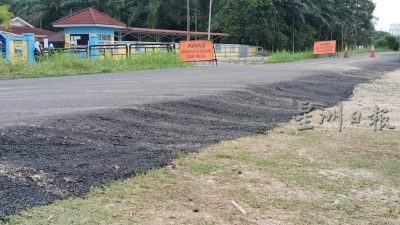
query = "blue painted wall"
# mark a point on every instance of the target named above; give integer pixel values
(4, 49)
(89, 30)
(30, 38)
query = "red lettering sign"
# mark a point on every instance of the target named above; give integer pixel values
(193, 51)
(324, 47)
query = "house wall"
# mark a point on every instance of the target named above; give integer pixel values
(19, 47)
(395, 29)
(3, 46)
(91, 31)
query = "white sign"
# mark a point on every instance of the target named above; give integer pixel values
(46, 43)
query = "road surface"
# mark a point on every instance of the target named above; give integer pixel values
(23, 100)
(59, 137)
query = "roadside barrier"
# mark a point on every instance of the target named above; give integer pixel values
(140, 48)
(108, 50)
(346, 53)
(372, 53)
(79, 51)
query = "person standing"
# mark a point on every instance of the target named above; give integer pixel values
(38, 50)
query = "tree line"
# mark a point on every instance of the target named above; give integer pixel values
(273, 24)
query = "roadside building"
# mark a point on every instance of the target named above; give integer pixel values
(57, 39)
(88, 27)
(17, 47)
(20, 26)
(395, 29)
(79, 26)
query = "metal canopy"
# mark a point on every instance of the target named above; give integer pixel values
(157, 34)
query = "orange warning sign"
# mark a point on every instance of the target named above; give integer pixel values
(192, 51)
(324, 47)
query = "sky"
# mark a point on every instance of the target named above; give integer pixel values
(388, 12)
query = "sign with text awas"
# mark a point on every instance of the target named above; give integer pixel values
(324, 47)
(193, 51)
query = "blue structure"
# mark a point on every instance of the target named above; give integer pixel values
(88, 27)
(17, 47)
(30, 39)
(3, 46)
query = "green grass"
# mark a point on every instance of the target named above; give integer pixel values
(60, 65)
(368, 50)
(286, 56)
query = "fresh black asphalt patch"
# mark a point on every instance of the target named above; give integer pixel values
(67, 156)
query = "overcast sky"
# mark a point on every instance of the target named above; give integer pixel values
(387, 11)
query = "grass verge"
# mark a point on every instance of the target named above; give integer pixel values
(286, 56)
(60, 65)
(284, 176)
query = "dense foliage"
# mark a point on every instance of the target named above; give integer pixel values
(5, 15)
(273, 24)
(386, 40)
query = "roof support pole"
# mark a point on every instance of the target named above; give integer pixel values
(209, 21)
(188, 19)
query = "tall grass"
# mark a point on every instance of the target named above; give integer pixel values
(368, 50)
(61, 64)
(286, 56)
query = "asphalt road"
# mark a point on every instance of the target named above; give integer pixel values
(60, 137)
(22, 101)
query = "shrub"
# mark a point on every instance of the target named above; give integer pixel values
(285, 56)
(381, 43)
(388, 41)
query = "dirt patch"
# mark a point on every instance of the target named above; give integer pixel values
(340, 173)
(75, 153)
(383, 194)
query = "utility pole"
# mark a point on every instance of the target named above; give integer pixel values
(293, 29)
(195, 20)
(209, 21)
(188, 20)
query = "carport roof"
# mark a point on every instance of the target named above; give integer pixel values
(172, 32)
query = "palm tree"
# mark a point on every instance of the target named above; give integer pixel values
(164, 13)
(41, 12)
(5, 16)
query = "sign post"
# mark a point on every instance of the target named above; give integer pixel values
(197, 51)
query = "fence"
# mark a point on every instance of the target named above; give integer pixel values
(115, 50)
(82, 52)
(139, 48)
(108, 50)
(232, 52)
(223, 52)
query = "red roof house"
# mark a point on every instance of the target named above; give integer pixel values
(20, 26)
(88, 27)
